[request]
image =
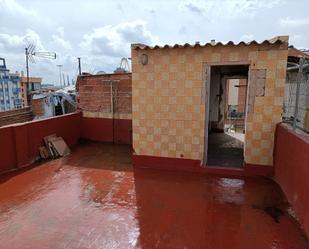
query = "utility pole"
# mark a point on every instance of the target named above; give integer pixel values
(60, 79)
(68, 79)
(79, 66)
(27, 65)
(63, 79)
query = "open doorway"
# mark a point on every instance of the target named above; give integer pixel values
(226, 115)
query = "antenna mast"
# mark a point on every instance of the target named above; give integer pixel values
(30, 53)
(79, 66)
(60, 79)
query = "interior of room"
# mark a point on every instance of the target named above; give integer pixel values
(227, 114)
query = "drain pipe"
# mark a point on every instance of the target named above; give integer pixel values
(112, 105)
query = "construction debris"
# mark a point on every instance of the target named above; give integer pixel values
(54, 147)
(56, 103)
(44, 152)
(59, 146)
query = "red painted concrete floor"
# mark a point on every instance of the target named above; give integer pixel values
(93, 199)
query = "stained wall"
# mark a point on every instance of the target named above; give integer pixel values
(291, 170)
(106, 104)
(19, 143)
(168, 102)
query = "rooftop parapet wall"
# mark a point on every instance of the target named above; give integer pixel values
(169, 105)
(20, 142)
(24, 79)
(292, 170)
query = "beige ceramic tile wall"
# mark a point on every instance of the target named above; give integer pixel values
(168, 105)
(90, 114)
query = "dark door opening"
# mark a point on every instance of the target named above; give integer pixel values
(226, 117)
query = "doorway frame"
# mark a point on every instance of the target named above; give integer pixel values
(207, 71)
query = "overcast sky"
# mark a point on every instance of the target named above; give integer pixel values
(100, 32)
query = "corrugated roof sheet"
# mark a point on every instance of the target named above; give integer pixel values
(277, 39)
(294, 52)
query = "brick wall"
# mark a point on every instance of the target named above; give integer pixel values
(15, 116)
(38, 107)
(169, 104)
(106, 103)
(103, 95)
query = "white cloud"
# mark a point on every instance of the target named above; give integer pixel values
(60, 31)
(227, 8)
(60, 41)
(299, 41)
(11, 43)
(290, 22)
(151, 10)
(115, 40)
(14, 8)
(194, 6)
(247, 37)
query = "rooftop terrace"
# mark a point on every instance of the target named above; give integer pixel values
(94, 198)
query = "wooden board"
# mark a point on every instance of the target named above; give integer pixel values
(49, 146)
(59, 146)
(44, 152)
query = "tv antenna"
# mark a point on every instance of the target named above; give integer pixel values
(30, 54)
(124, 64)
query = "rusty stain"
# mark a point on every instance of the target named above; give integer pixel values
(94, 199)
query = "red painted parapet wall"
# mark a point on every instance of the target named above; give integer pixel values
(118, 131)
(19, 144)
(292, 170)
(190, 165)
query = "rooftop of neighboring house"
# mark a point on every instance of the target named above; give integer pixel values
(23, 79)
(115, 73)
(45, 88)
(2, 63)
(295, 54)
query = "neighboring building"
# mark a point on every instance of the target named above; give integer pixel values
(292, 79)
(178, 98)
(48, 104)
(15, 116)
(235, 104)
(47, 88)
(10, 94)
(106, 102)
(27, 90)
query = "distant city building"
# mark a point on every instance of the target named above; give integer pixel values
(10, 91)
(47, 88)
(28, 89)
